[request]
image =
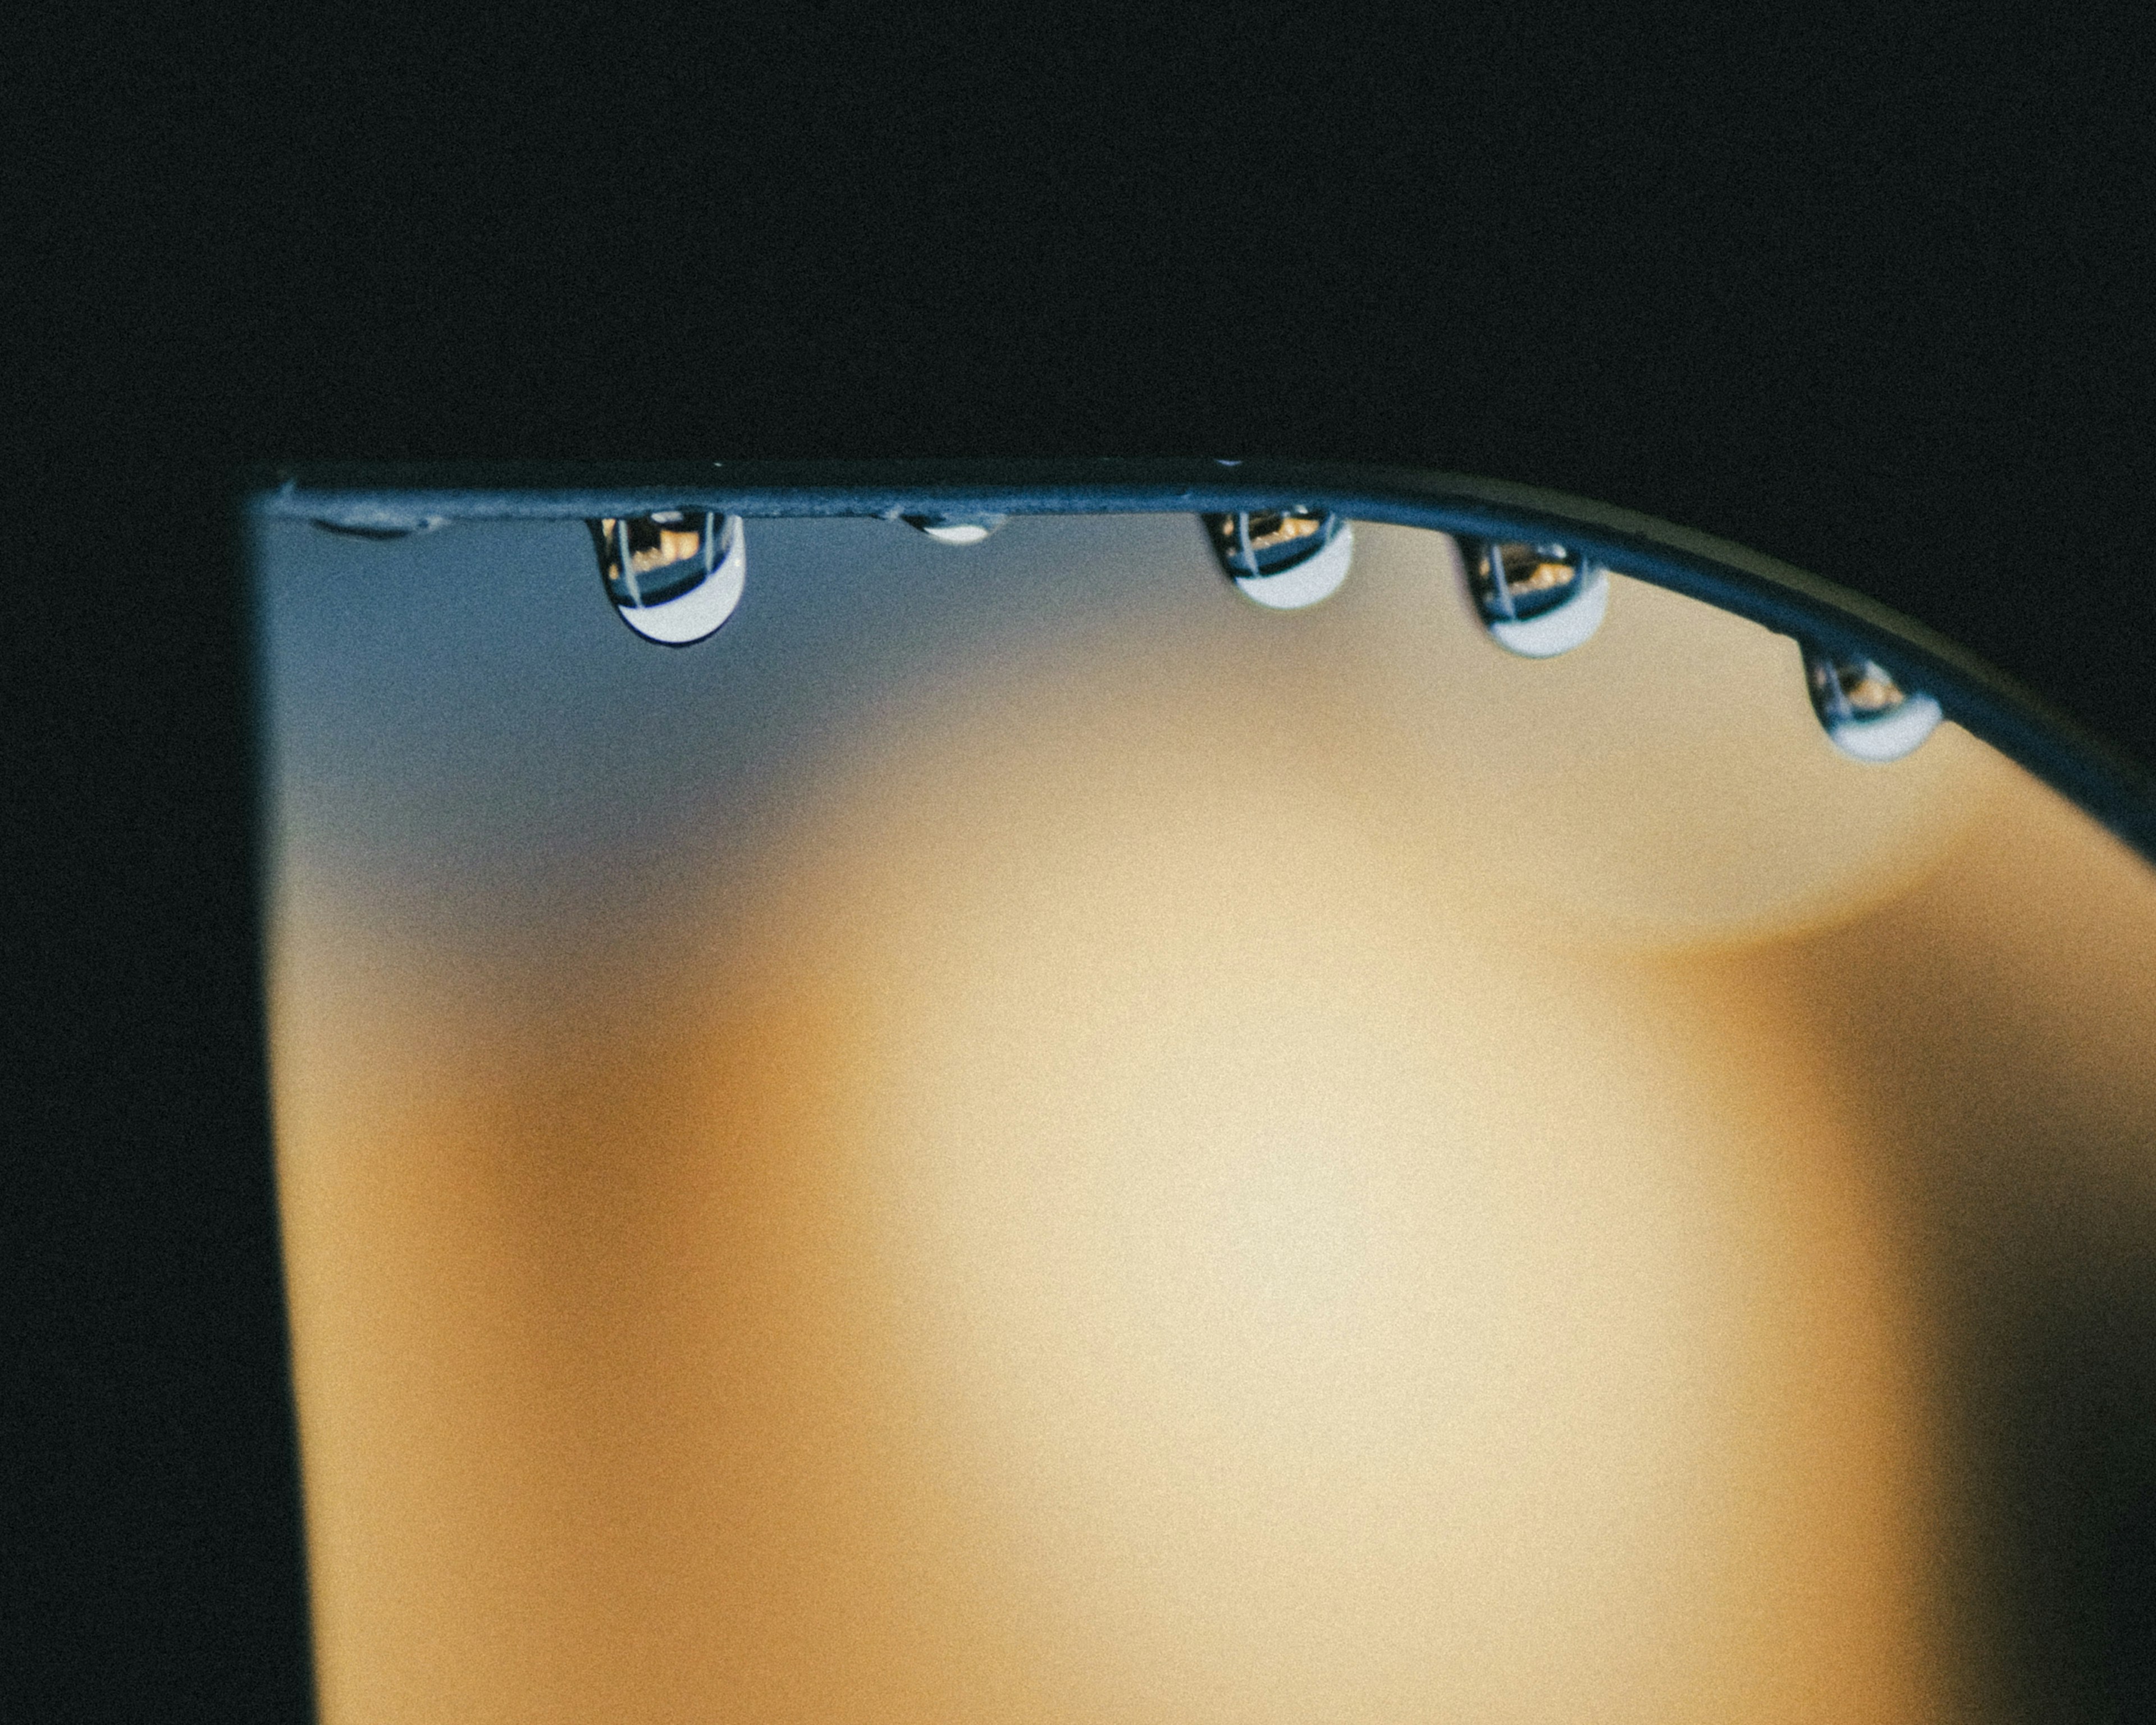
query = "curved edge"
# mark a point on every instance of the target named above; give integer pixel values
(2115, 789)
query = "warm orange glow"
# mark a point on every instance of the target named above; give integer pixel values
(1112, 1220)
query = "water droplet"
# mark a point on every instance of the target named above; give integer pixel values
(1283, 558)
(674, 576)
(957, 529)
(398, 530)
(1865, 710)
(1536, 600)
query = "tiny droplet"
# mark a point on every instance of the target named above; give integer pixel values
(1284, 559)
(674, 576)
(1864, 708)
(397, 530)
(1536, 600)
(956, 529)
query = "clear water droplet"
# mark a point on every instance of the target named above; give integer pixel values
(1283, 558)
(1536, 600)
(957, 529)
(398, 530)
(1864, 708)
(674, 576)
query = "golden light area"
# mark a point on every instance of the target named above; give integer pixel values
(1663, 785)
(1100, 1222)
(1335, 1314)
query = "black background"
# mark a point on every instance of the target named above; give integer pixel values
(1873, 298)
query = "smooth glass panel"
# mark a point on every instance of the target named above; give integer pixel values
(1017, 1137)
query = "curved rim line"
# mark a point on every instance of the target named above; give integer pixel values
(2110, 786)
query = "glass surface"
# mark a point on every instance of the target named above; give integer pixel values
(1016, 1136)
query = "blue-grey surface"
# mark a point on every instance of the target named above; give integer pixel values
(459, 731)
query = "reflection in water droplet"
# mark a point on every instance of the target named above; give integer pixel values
(1536, 600)
(957, 529)
(1284, 559)
(1868, 713)
(675, 576)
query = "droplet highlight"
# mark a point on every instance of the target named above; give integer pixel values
(956, 529)
(1283, 559)
(674, 576)
(1536, 600)
(1864, 708)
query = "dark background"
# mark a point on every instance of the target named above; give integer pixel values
(1869, 297)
